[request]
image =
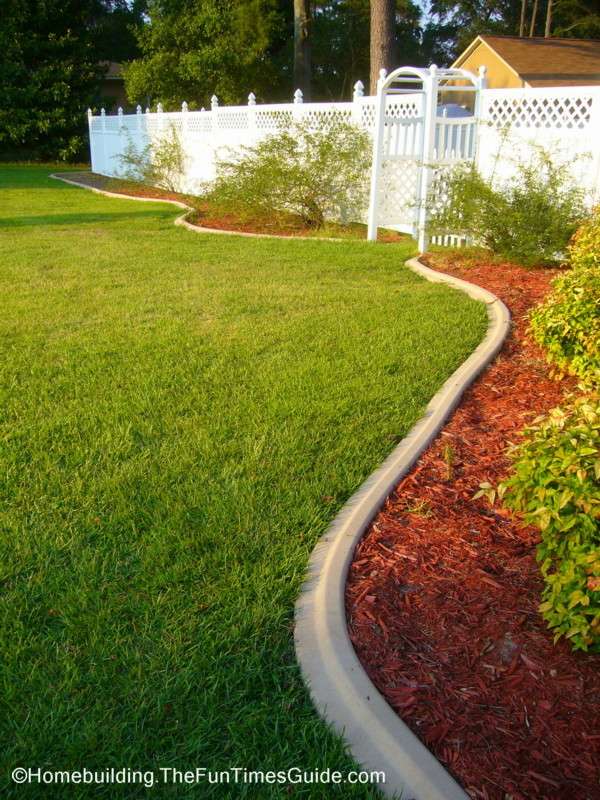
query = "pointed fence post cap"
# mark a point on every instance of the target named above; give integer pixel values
(359, 90)
(382, 77)
(251, 99)
(138, 109)
(147, 109)
(214, 101)
(120, 111)
(298, 96)
(89, 112)
(184, 106)
(433, 69)
(202, 109)
(102, 112)
(159, 108)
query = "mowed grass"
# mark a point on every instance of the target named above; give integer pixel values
(181, 417)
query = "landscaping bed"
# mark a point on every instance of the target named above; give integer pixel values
(443, 592)
(206, 217)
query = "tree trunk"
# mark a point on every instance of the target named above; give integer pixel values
(383, 39)
(533, 18)
(548, 30)
(522, 22)
(302, 42)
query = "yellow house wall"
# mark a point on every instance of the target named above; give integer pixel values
(499, 75)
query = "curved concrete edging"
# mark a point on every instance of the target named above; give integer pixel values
(183, 221)
(339, 686)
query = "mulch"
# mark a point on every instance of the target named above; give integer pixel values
(443, 592)
(205, 217)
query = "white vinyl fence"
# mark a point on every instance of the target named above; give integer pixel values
(422, 123)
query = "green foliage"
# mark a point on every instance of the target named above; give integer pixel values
(555, 485)
(50, 72)
(316, 174)
(567, 323)
(528, 221)
(340, 47)
(192, 50)
(159, 163)
(584, 250)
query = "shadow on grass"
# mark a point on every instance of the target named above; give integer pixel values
(36, 176)
(75, 219)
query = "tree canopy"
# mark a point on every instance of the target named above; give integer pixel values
(51, 51)
(191, 49)
(51, 54)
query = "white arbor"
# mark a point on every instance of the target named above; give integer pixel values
(415, 135)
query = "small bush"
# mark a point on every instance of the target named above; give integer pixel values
(159, 163)
(555, 485)
(314, 174)
(567, 323)
(528, 221)
(584, 250)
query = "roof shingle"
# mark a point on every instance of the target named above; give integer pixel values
(550, 62)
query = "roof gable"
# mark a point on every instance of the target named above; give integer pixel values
(545, 62)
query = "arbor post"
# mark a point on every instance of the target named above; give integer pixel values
(430, 99)
(377, 157)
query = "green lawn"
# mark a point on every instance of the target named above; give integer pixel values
(181, 417)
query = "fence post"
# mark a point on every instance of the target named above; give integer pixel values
(297, 105)
(214, 108)
(357, 95)
(377, 157)
(594, 133)
(480, 86)
(429, 123)
(92, 143)
(138, 114)
(184, 121)
(252, 115)
(103, 138)
(358, 92)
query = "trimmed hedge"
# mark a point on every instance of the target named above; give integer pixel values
(555, 485)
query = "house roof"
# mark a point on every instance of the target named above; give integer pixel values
(113, 70)
(545, 62)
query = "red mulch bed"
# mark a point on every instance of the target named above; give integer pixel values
(205, 217)
(442, 596)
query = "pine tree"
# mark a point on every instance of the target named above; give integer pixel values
(383, 39)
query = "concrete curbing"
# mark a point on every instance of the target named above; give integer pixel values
(183, 221)
(339, 686)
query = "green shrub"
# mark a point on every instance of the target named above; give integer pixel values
(159, 163)
(316, 174)
(567, 323)
(584, 250)
(528, 221)
(555, 485)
